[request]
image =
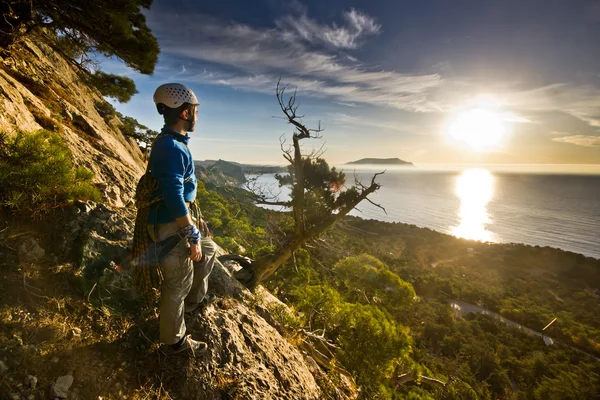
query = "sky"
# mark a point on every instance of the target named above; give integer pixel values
(385, 78)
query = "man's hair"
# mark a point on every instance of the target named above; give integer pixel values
(172, 114)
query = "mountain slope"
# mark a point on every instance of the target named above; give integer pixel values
(71, 324)
(40, 89)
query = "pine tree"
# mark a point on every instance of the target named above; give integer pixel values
(109, 27)
(118, 87)
(318, 199)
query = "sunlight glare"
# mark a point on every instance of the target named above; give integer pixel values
(480, 128)
(474, 188)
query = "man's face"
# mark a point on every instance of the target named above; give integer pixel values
(191, 115)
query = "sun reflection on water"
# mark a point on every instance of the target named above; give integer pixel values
(474, 188)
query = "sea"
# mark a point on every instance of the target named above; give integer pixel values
(556, 206)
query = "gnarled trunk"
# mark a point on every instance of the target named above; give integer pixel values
(16, 19)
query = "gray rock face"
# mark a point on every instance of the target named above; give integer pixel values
(30, 250)
(244, 349)
(93, 235)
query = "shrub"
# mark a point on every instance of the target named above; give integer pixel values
(82, 174)
(106, 110)
(37, 173)
(118, 87)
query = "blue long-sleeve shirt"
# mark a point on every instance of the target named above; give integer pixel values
(172, 164)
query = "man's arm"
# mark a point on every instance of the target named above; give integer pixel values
(170, 165)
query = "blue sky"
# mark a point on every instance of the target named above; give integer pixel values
(385, 78)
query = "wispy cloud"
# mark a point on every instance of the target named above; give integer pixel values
(251, 58)
(351, 120)
(580, 101)
(313, 56)
(347, 36)
(580, 140)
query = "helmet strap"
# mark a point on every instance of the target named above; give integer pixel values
(189, 121)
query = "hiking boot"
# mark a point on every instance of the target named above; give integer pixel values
(209, 299)
(190, 348)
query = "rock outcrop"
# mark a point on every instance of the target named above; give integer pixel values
(220, 172)
(41, 89)
(74, 275)
(247, 358)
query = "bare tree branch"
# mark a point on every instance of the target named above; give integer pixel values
(316, 201)
(274, 203)
(376, 205)
(290, 109)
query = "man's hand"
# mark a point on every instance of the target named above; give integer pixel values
(195, 252)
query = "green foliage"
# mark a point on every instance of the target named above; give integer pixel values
(132, 128)
(339, 284)
(365, 278)
(110, 27)
(83, 174)
(371, 342)
(106, 110)
(229, 222)
(481, 357)
(118, 87)
(322, 189)
(37, 173)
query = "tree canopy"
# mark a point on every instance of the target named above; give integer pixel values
(118, 87)
(319, 197)
(109, 27)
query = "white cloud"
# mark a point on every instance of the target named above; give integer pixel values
(345, 36)
(580, 140)
(307, 54)
(580, 101)
(251, 58)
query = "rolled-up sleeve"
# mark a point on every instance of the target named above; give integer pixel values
(168, 168)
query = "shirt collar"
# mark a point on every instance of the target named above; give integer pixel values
(178, 136)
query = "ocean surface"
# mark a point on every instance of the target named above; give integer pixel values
(558, 209)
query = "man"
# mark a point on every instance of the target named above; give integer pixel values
(186, 268)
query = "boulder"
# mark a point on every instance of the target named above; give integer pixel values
(60, 389)
(30, 250)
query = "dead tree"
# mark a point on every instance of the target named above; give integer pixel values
(318, 200)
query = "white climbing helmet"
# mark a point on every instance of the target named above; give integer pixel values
(174, 95)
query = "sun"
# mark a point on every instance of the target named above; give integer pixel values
(479, 128)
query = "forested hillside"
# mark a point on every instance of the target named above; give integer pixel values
(356, 287)
(337, 307)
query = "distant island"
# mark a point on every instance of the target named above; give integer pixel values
(387, 161)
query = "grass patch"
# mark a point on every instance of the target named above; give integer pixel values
(42, 119)
(37, 173)
(36, 88)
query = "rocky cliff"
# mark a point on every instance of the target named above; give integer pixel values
(41, 89)
(71, 325)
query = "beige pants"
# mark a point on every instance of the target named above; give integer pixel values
(185, 282)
